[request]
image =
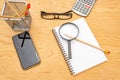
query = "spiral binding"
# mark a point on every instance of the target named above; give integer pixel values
(64, 53)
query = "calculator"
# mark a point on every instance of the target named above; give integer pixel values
(83, 7)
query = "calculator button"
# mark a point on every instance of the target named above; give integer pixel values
(86, 11)
(91, 2)
(86, 1)
(87, 6)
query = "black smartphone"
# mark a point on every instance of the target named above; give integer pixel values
(26, 50)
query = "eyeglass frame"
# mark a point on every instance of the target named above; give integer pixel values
(56, 15)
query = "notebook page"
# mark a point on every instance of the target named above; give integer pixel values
(83, 56)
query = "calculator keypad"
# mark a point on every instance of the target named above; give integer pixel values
(83, 6)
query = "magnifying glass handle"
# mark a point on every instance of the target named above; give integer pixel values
(69, 49)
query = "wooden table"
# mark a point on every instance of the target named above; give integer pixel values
(104, 21)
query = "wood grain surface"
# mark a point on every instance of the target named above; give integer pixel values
(104, 21)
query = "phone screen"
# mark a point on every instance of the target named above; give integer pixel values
(26, 50)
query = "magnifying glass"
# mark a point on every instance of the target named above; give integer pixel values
(69, 29)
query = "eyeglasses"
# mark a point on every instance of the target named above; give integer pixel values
(60, 16)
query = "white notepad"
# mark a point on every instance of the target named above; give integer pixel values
(83, 56)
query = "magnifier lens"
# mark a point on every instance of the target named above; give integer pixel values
(68, 29)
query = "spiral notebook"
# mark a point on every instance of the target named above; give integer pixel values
(83, 56)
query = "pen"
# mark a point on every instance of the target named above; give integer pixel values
(25, 10)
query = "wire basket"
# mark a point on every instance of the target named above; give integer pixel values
(16, 14)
